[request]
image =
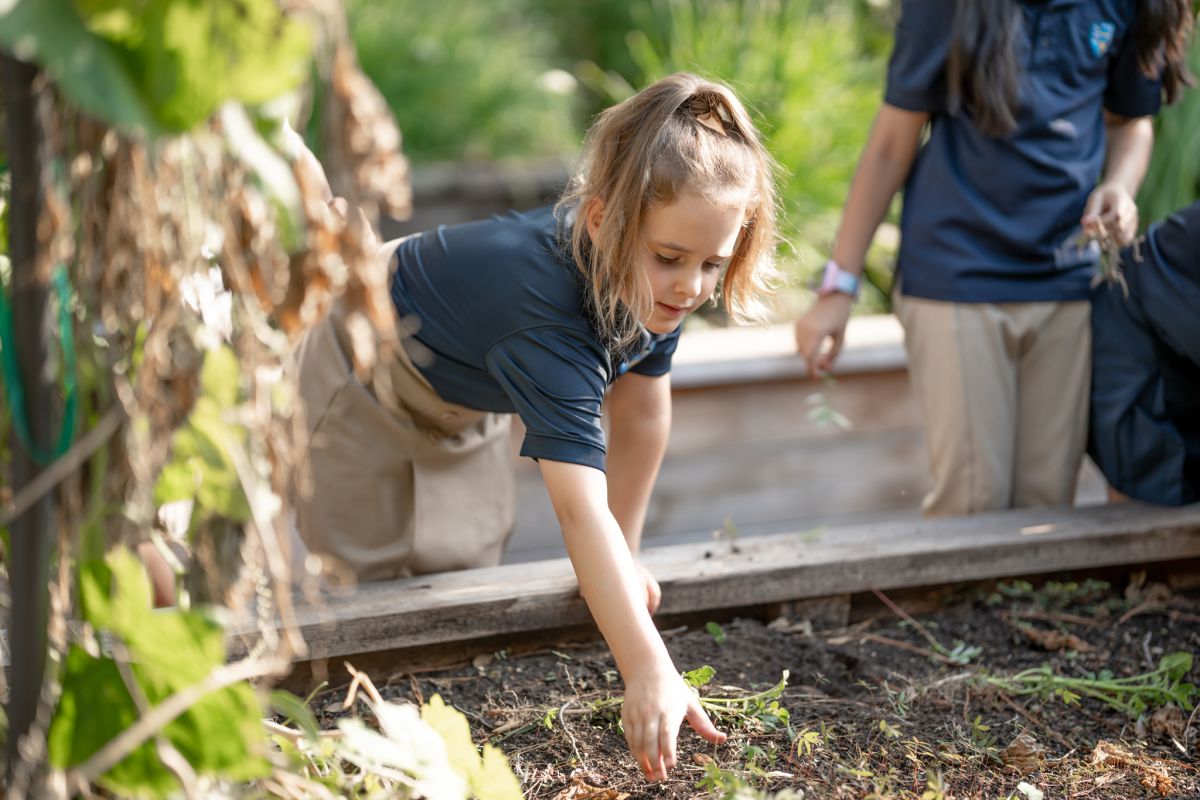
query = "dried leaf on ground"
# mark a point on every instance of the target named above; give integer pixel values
(1153, 772)
(580, 789)
(1169, 720)
(1024, 754)
(1054, 639)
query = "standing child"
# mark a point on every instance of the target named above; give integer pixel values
(1039, 133)
(1145, 420)
(540, 314)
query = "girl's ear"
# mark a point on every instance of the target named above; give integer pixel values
(594, 216)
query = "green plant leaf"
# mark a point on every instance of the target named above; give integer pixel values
(169, 650)
(490, 776)
(77, 731)
(201, 467)
(88, 69)
(160, 65)
(219, 377)
(1176, 665)
(700, 676)
(294, 710)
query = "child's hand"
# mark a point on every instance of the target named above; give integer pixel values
(826, 320)
(653, 592)
(1110, 213)
(655, 706)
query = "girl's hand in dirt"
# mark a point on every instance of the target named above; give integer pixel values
(1110, 213)
(653, 592)
(824, 322)
(655, 707)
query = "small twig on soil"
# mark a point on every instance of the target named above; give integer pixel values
(929, 637)
(1053, 734)
(363, 680)
(1188, 726)
(292, 734)
(562, 721)
(912, 648)
(1052, 616)
(416, 690)
(1143, 608)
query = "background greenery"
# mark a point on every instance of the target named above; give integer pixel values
(493, 81)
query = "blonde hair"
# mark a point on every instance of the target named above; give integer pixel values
(648, 150)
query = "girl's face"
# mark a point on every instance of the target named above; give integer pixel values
(685, 245)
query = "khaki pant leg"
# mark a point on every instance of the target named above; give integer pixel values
(417, 487)
(359, 504)
(466, 498)
(961, 358)
(1052, 416)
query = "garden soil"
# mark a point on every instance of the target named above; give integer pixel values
(896, 705)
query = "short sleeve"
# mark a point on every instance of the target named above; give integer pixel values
(555, 379)
(658, 360)
(1130, 92)
(916, 75)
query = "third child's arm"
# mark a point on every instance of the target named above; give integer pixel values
(882, 168)
(639, 411)
(656, 698)
(1110, 205)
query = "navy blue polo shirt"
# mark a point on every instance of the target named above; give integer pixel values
(502, 310)
(996, 219)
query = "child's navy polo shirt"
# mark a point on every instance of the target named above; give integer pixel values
(501, 307)
(997, 219)
(1145, 400)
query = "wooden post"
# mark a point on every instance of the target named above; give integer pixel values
(32, 533)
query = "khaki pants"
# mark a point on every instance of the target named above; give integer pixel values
(420, 486)
(1003, 390)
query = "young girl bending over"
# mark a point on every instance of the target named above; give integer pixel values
(542, 314)
(1039, 133)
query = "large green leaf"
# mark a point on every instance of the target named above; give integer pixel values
(93, 708)
(169, 650)
(88, 69)
(190, 56)
(160, 65)
(201, 467)
(489, 776)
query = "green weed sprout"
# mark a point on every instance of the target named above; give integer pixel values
(1132, 695)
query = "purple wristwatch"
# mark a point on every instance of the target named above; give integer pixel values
(836, 279)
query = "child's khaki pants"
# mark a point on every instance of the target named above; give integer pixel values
(423, 486)
(1003, 389)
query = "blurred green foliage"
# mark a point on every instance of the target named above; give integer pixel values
(468, 80)
(160, 65)
(811, 72)
(1173, 180)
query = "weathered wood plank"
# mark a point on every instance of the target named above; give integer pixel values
(517, 598)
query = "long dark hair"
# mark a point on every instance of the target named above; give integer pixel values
(1164, 33)
(982, 71)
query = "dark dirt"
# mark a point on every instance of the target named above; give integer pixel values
(874, 711)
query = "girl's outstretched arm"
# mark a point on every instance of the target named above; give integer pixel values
(639, 410)
(1110, 208)
(656, 698)
(884, 164)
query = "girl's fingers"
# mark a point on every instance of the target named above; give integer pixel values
(668, 733)
(701, 724)
(653, 754)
